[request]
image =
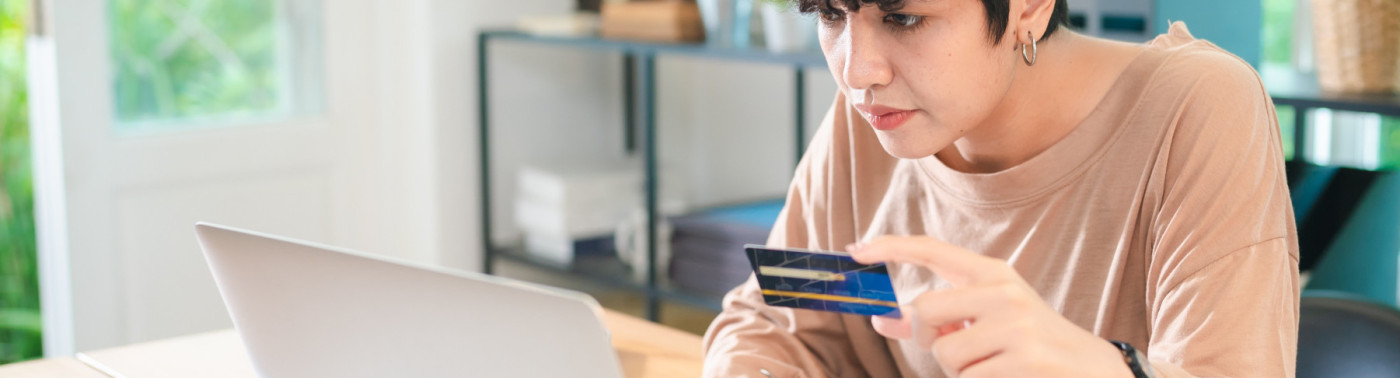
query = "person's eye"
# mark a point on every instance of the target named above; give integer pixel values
(831, 16)
(903, 21)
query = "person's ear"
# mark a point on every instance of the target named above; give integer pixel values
(1035, 17)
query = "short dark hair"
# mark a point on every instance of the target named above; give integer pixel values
(998, 13)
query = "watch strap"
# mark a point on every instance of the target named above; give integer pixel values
(1136, 361)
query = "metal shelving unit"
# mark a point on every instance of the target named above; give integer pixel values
(639, 92)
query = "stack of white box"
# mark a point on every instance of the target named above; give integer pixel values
(561, 207)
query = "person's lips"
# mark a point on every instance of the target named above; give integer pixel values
(883, 117)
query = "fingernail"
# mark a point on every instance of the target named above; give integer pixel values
(855, 248)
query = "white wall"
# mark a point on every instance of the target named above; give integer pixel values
(725, 128)
(428, 119)
(728, 126)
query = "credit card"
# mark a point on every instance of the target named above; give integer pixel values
(822, 280)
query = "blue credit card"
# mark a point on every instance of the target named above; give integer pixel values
(822, 280)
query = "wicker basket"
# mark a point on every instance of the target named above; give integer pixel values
(1358, 45)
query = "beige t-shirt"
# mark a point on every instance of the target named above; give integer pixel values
(1163, 220)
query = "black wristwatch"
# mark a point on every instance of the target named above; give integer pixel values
(1135, 360)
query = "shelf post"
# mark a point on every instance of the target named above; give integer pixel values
(800, 110)
(647, 74)
(629, 102)
(1300, 133)
(483, 148)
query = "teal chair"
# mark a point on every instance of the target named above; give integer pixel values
(1362, 253)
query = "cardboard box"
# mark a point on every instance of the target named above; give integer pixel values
(669, 21)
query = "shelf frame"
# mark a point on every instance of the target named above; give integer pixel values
(639, 91)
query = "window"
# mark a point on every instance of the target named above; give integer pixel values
(1357, 140)
(177, 63)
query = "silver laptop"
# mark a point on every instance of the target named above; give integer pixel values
(309, 310)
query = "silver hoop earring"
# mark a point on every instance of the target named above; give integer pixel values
(1030, 60)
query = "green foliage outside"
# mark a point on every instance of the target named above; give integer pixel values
(1390, 134)
(183, 59)
(1278, 31)
(20, 328)
(1288, 131)
(1278, 51)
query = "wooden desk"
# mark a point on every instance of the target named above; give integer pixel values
(645, 349)
(50, 367)
(648, 349)
(217, 354)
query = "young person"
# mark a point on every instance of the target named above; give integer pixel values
(1037, 193)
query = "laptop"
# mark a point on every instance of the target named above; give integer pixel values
(311, 310)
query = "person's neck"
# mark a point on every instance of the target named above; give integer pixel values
(1031, 117)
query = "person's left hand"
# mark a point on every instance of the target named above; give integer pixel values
(991, 323)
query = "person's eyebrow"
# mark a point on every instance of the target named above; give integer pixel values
(845, 5)
(893, 8)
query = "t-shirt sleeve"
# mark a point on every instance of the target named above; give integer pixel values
(1236, 317)
(1223, 275)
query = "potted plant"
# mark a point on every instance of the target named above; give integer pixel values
(726, 22)
(786, 30)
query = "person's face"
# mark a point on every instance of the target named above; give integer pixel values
(923, 75)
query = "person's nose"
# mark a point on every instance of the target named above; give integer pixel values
(866, 65)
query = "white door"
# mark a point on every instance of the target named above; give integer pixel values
(150, 115)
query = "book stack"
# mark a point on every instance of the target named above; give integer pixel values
(569, 209)
(707, 247)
